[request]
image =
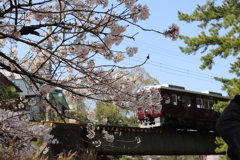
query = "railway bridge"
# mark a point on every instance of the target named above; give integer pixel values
(132, 141)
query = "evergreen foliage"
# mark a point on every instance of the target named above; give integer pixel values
(219, 38)
(222, 24)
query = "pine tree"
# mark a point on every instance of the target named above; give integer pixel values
(219, 38)
(222, 24)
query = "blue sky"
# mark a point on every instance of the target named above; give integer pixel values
(167, 63)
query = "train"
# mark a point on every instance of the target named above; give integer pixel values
(181, 109)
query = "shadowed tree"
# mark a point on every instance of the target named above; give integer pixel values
(10, 99)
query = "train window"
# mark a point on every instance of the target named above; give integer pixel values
(174, 99)
(166, 98)
(186, 101)
(199, 102)
(179, 98)
(211, 103)
(205, 104)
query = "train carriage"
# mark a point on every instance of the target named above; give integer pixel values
(182, 109)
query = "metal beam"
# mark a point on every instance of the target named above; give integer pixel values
(72, 137)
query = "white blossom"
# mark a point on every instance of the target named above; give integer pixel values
(91, 115)
(119, 57)
(62, 44)
(108, 137)
(11, 123)
(173, 32)
(104, 120)
(32, 102)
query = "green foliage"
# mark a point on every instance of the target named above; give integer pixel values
(81, 114)
(235, 67)
(9, 98)
(78, 112)
(147, 78)
(232, 86)
(115, 115)
(217, 19)
(222, 145)
(220, 106)
(8, 93)
(37, 142)
(220, 23)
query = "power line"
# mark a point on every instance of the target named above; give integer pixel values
(161, 67)
(179, 72)
(170, 69)
(173, 55)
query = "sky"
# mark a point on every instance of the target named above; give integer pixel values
(167, 63)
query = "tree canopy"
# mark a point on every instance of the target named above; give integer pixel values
(61, 40)
(55, 43)
(115, 115)
(147, 78)
(220, 38)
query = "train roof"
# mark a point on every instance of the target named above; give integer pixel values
(182, 89)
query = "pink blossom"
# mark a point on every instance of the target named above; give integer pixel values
(104, 120)
(138, 139)
(91, 115)
(60, 44)
(108, 137)
(173, 32)
(24, 132)
(131, 51)
(118, 57)
(32, 102)
(12, 77)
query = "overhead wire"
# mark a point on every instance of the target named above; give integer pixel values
(188, 73)
(170, 69)
(173, 55)
(166, 68)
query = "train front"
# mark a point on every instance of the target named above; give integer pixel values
(149, 116)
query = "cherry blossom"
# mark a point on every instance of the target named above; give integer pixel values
(97, 143)
(17, 132)
(173, 32)
(138, 139)
(32, 102)
(108, 137)
(57, 44)
(103, 120)
(91, 115)
(91, 130)
(131, 51)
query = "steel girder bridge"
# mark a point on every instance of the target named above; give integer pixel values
(132, 141)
